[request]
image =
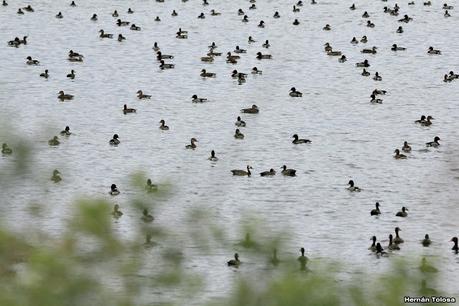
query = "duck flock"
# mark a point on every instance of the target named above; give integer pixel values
(397, 20)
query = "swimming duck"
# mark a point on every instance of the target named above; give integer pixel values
(447, 7)
(256, 71)
(403, 213)
(405, 19)
(157, 19)
(201, 16)
(16, 42)
(238, 134)
(122, 23)
(379, 250)
(295, 93)
(297, 140)
(104, 35)
(392, 246)
(370, 24)
(204, 2)
(146, 217)
(397, 48)
(342, 59)
(150, 187)
(66, 131)
(427, 122)
(435, 143)
(163, 125)
(354, 41)
(373, 244)
(44, 74)
(238, 75)
(245, 18)
(54, 141)
(208, 59)
(239, 50)
(28, 8)
(114, 141)
(75, 54)
(446, 78)
(353, 188)
(94, 17)
(398, 155)
(372, 50)
(31, 61)
(161, 56)
(428, 3)
(377, 77)
(327, 27)
(192, 146)
(302, 259)
(205, 74)
(365, 14)
(423, 118)
(212, 156)
(296, 22)
(288, 172)
(447, 14)
(195, 99)
(379, 92)
(364, 39)
(20, 12)
(271, 172)
(295, 9)
(374, 99)
(399, 30)
(121, 37)
(142, 96)
(261, 24)
(253, 7)
(130, 11)
(455, 247)
(266, 44)
(433, 51)
(406, 147)
(214, 13)
(376, 211)
(239, 122)
(363, 64)
(127, 110)
(73, 4)
(251, 40)
(242, 172)
(240, 12)
(174, 13)
(6, 150)
(397, 238)
(56, 178)
(426, 241)
(163, 65)
(62, 96)
(234, 262)
(452, 75)
(252, 110)
(71, 75)
(365, 72)
(427, 268)
(276, 15)
(116, 213)
(263, 56)
(352, 7)
(115, 13)
(59, 15)
(327, 47)
(156, 47)
(4, 3)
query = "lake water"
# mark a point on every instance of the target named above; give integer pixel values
(351, 138)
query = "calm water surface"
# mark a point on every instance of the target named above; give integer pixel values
(351, 138)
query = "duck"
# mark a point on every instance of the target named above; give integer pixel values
(379, 92)
(255, 70)
(431, 50)
(398, 155)
(16, 42)
(447, 7)
(20, 12)
(214, 13)
(379, 250)
(405, 19)
(29, 8)
(156, 47)
(150, 187)
(252, 110)
(288, 172)
(239, 122)
(426, 241)
(403, 213)
(238, 75)
(397, 48)
(163, 65)
(114, 141)
(302, 259)
(365, 72)
(373, 244)
(354, 41)
(71, 75)
(427, 268)
(4, 3)
(397, 238)
(115, 13)
(266, 44)
(94, 17)
(399, 30)
(427, 122)
(423, 118)
(245, 18)
(239, 50)
(365, 14)
(365, 64)
(406, 147)
(142, 96)
(392, 246)
(296, 22)
(66, 131)
(334, 53)
(452, 75)
(75, 54)
(44, 74)
(370, 24)
(352, 7)
(240, 12)
(251, 40)
(54, 141)
(201, 16)
(146, 217)
(434, 143)
(276, 15)
(229, 56)
(63, 96)
(127, 110)
(238, 134)
(295, 93)
(377, 77)
(455, 247)
(193, 145)
(447, 14)
(261, 24)
(161, 56)
(263, 56)
(32, 62)
(6, 150)
(446, 78)
(205, 74)
(59, 15)
(364, 39)
(130, 11)
(195, 99)
(104, 35)
(375, 211)
(212, 156)
(352, 187)
(116, 213)
(271, 172)
(163, 125)
(428, 3)
(208, 59)
(56, 178)
(234, 262)
(297, 140)
(242, 172)
(374, 99)
(253, 7)
(121, 37)
(122, 23)
(295, 9)
(327, 27)
(157, 19)
(342, 59)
